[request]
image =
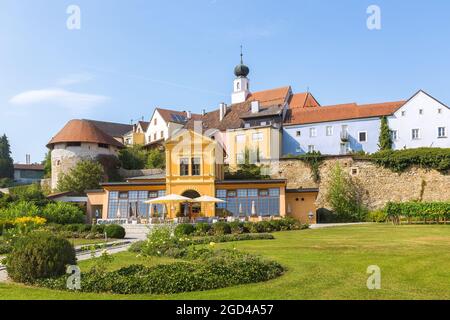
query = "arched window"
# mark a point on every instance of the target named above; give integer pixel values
(238, 86)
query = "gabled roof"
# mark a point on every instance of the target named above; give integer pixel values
(113, 129)
(271, 97)
(83, 131)
(175, 116)
(303, 100)
(340, 112)
(232, 119)
(144, 125)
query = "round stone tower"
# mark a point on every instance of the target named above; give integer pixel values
(79, 140)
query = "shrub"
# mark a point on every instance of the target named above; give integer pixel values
(202, 228)
(137, 246)
(184, 229)
(29, 193)
(220, 228)
(5, 225)
(162, 242)
(216, 269)
(232, 237)
(346, 197)
(236, 227)
(401, 160)
(19, 209)
(63, 213)
(422, 210)
(39, 255)
(377, 216)
(98, 228)
(115, 231)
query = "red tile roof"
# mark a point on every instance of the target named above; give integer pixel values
(303, 100)
(271, 97)
(341, 112)
(82, 131)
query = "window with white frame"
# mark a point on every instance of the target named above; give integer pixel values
(298, 133)
(439, 110)
(329, 131)
(403, 113)
(394, 135)
(311, 148)
(415, 134)
(362, 136)
(421, 111)
(312, 132)
(258, 136)
(298, 149)
(240, 138)
(442, 132)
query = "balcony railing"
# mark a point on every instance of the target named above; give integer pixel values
(344, 136)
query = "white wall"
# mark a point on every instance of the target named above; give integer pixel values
(64, 158)
(161, 125)
(427, 123)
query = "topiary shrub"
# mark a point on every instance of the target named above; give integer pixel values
(184, 229)
(220, 228)
(63, 213)
(115, 231)
(39, 255)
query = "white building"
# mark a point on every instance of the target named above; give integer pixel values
(422, 121)
(164, 123)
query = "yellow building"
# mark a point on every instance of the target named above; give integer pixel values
(194, 168)
(262, 143)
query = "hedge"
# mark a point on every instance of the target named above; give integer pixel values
(424, 210)
(401, 160)
(221, 269)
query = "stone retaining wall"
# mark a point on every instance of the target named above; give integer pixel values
(381, 184)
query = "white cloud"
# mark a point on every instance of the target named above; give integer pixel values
(75, 78)
(73, 101)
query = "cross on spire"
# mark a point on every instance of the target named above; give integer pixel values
(242, 59)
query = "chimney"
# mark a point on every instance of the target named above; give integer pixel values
(188, 115)
(28, 159)
(203, 112)
(255, 106)
(222, 111)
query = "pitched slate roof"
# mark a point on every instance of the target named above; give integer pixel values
(111, 128)
(83, 131)
(340, 112)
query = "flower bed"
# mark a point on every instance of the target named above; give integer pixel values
(218, 270)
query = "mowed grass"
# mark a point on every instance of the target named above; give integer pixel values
(321, 264)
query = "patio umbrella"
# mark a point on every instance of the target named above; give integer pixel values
(169, 199)
(253, 208)
(208, 199)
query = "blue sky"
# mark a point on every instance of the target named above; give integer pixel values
(130, 56)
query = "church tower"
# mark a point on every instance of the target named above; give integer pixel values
(241, 85)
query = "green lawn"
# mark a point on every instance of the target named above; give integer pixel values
(321, 264)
